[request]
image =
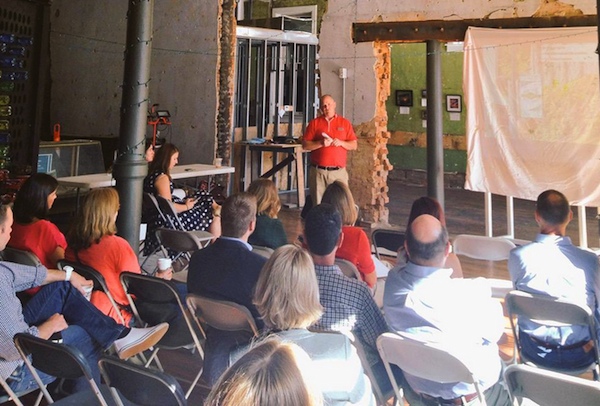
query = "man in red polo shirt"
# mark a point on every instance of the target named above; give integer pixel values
(328, 137)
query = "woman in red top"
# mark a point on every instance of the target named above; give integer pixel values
(355, 247)
(93, 242)
(31, 230)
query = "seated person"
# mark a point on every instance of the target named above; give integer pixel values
(32, 231)
(269, 230)
(93, 242)
(59, 307)
(422, 300)
(287, 297)
(228, 270)
(272, 373)
(195, 213)
(428, 205)
(552, 266)
(356, 246)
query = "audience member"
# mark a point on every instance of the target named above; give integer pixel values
(328, 137)
(429, 205)
(348, 303)
(228, 270)
(269, 230)
(355, 247)
(32, 231)
(59, 307)
(287, 297)
(93, 242)
(421, 299)
(552, 266)
(273, 373)
(196, 213)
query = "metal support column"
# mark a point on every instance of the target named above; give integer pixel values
(435, 145)
(130, 168)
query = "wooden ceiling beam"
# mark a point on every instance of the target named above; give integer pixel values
(454, 30)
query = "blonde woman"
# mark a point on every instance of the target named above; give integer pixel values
(287, 297)
(92, 241)
(269, 230)
(273, 373)
(355, 247)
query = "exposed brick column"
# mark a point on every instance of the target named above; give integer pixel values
(225, 82)
(369, 166)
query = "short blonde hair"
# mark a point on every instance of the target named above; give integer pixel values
(287, 292)
(267, 198)
(339, 196)
(273, 373)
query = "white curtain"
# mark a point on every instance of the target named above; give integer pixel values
(533, 105)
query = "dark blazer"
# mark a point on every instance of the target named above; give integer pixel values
(226, 270)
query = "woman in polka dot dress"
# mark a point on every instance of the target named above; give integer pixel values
(195, 213)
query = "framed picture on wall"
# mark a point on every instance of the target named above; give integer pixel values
(404, 98)
(453, 103)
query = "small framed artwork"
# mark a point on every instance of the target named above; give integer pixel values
(404, 98)
(453, 103)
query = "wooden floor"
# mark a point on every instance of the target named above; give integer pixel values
(464, 215)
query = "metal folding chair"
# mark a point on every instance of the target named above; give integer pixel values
(482, 247)
(183, 243)
(20, 256)
(221, 314)
(387, 242)
(348, 268)
(262, 251)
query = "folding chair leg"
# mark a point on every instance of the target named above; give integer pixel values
(194, 382)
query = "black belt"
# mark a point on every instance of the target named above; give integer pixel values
(327, 168)
(463, 400)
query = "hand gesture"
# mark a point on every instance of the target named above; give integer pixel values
(79, 282)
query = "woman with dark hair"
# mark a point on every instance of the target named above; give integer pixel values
(196, 213)
(32, 231)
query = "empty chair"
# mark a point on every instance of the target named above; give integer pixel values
(159, 300)
(550, 388)
(387, 242)
(482, 247)
(182, 243)
(550, 311)
(141, 385)
(221, 314)
(99, 283)
(61, 361)
(423, 360)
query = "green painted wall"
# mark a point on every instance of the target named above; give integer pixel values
(407, 157)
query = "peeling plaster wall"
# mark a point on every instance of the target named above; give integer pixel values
(361, 104)
(87, 57)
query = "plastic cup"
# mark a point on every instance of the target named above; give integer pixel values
(88, 292)
(218, 162)
(164, 264)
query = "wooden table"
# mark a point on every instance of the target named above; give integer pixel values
(96, 180)
(294, 153)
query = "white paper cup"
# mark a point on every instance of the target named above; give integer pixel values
(164, 264)
(218, 162)
(88, 292)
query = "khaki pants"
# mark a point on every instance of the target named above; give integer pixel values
(319, 179)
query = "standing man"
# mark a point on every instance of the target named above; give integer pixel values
(552, 266)
(328, 137)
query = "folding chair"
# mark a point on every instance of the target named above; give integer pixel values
(348, 268)
(184, 243)
(387, 242)
(150, 295)
(10, 395)
(141, 385)
(551, 312)
(91, 274)
(482, 247)
(549, 388)
(423, 360)
(263, 251)
(221, 314)
(60, 361)
(20, 256)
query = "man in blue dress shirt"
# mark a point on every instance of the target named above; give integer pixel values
(551, 265)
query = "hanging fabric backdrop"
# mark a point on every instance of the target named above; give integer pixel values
(533, 120)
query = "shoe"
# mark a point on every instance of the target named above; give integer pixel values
(139, 339)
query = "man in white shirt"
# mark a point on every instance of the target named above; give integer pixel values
(422, 300)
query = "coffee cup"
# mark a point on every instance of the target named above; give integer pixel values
(88, 292)
(218, 162)
(164, 264)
